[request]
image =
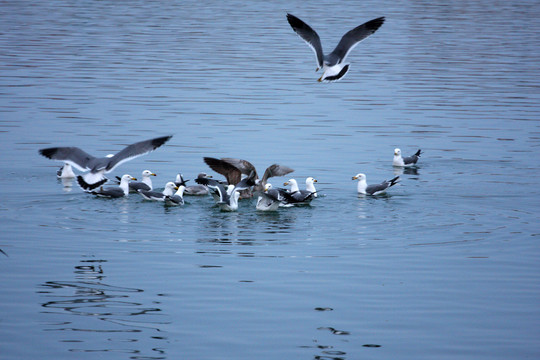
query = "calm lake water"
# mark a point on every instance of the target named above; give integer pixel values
(445, 266)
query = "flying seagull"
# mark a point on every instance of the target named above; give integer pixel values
(365, 189)
(98, 167)
(405, 161)
(332, 64)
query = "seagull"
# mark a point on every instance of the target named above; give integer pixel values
(65, 172)
(299, 197)
(310, 186)
(271, 199)
(195, 190)
(170, 187)
(227, 198)
(406, 161)
(98, 167)
(365, 189)
(144, 184)
(177, 198)
(113, 191)
(233, 169)
(332, 64)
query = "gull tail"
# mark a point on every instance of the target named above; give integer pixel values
(394, 181)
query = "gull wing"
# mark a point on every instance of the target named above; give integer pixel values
(353, 37)
(309, 35)
(72, 155)
(135, 150)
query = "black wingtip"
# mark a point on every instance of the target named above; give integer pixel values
(418, 153)
(48, 152)
(374, 24)
(157, 142)
(394, 181)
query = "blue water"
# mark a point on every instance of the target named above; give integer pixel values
(444, 266)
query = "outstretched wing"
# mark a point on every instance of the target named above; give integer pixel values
(308, 35)
(275, 170)
(71, 155)
(231, 172)
(135, 150)
(353, 37)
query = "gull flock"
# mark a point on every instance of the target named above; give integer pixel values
(241, 178)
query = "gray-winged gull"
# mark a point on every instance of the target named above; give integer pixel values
(98, 167)
(376, 189)
(177, 198)
(300, 197)
(194, 190)
(170, 187)
(65, 172)
(271, 199)
(227, 198)
(332, 63)
(144, 184)
(113, 191)
(405, 161)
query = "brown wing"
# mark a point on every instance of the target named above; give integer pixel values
(231, 172)
(244, 166)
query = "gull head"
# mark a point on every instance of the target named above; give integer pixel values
(359, 177)
(397, 152)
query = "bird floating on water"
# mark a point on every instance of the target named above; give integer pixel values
(376, 189)
(170, 187)
(112, 191)
(332, 64)
(405, 161)
(98, 167)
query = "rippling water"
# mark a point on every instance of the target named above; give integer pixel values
(444, 266)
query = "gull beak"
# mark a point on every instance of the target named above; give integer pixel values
(132, 178)
(176, 188)
(209, 176)
(395, 152)
(285, 183)
(314, 180)
(354, 178)
(153, 174)
(320, 79)
(317, 69)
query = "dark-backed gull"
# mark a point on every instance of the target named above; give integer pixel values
(405, 161)
(376, 189)
(332, 64)
(98, 167)
(112, 191)
(170, 187)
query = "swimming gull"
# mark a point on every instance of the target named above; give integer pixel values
(405, 161)
(98, 167)
(112, 191)
(227, 198)
(144, 184)
(170, 187)
(194, 190)
(376, 189)
(299, 197)
(310, 185)
(233, 169)
(177, 198)
(65, 172)
(332, 64)
(271, 199)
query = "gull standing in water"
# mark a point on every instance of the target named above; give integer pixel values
(98, 167)
(365, 189)
(332, 64)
